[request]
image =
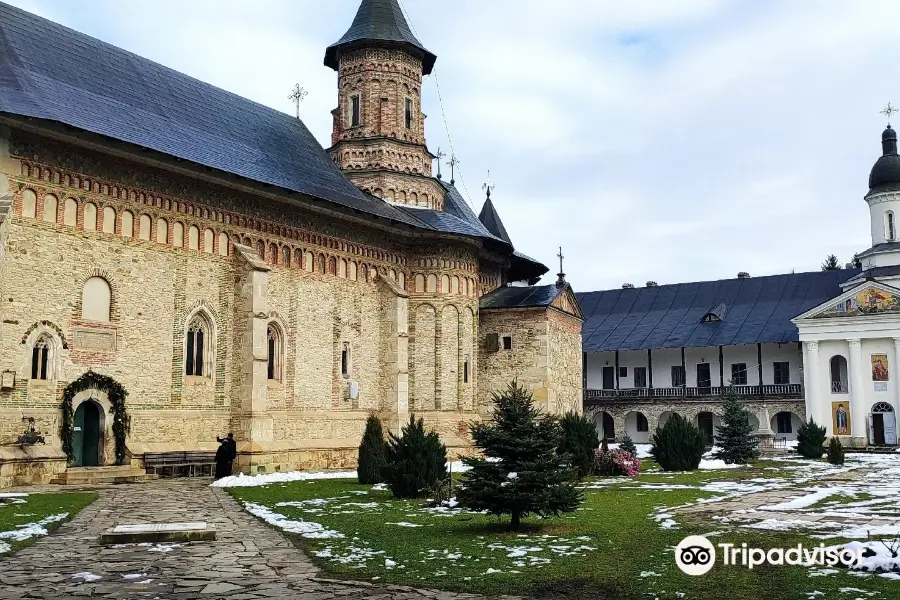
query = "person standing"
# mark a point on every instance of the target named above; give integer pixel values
(223, 459)
(231, 445)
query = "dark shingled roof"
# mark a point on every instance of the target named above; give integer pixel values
(491, 220)
(51, 72)
(521, 297)
(757, 310)
(381, 22)
(873, 272)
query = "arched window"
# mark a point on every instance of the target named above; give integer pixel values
(90, 217)
(51, 205)
(275, 345)
(454, 285)
(261, 249)
(420, 282)
(178, 235)
(70, 212)
(342, 268)
(194, 238)
(29, 203)
(309, 262)
(144, 227)
(42, 358)
(445, 284)
(286, 256)
(162, 231)
(890, 229)
(109, 220)
(838, 366)
(95, 300)
(273, 254)
(198, 351)
(431, 284)
(401, 280)
(208, 240)
(352, 272)
(223, 244)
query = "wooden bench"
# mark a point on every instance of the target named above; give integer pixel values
(180, 464)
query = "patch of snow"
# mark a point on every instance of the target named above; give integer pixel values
(86, 576)
(512, 475)
(389, 563)
(649, 574)
(306, 529)
(133, 575)
(241, 480)
(492, 570)
(803, 501)
(708, 464)
(380, 487)
(4, 547)
(13, 495)
(164, 548)
(405, 524)
(30, 530)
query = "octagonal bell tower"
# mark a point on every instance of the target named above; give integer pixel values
(378, 136)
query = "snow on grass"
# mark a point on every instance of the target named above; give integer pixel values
(29, 530)
(710, 464)
(306, 529)
(241, 480)
(405, 524)
(816, 495)
(4, 495)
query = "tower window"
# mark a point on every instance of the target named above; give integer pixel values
(409, 108)
(40, 359)
(354, 110)
(890, 226)
(507, 342)
(466, 369)
(345, 359)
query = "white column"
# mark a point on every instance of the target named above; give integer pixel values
(815, 399)
(857, 391)
(893, 375)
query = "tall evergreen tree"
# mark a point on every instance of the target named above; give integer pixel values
(811, 439)
(831, 263)
(677, 445)
(521, 472)
(735, 440)
(579, 441)
(371, 452)
(415, 462)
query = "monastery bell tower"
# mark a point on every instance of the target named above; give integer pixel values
(378, 138)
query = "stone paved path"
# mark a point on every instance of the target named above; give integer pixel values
(248, 560)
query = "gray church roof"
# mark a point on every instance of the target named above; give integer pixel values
(380, 22)
(539, 296)
(490, 218)
(51, 72)
(756, 310)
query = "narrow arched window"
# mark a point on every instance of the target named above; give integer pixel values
(208, 240)
(197, 351)
(223, 244)
(95, 300)
(144, 227)
(178, 235)
(70, 212)
(29, 203)
(51, 206)
(162, 231)
(90, 217)
(127, 224)
(890, 226)
(41, 357)
(275, 346)
(193, 238)
(109, 220)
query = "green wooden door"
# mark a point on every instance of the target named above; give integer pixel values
(86, 440)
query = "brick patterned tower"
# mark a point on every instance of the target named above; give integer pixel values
(378, 138)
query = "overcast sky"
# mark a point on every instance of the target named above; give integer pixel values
(672, 141)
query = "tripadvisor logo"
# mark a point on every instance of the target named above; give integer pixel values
(695, 555)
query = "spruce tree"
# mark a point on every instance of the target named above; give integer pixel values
(415, 462)
(521, 472)
(579, 441)
(371, 452)
(835, 452)
(735, 440)
(678, 445)
(811, 439)
(627, 444)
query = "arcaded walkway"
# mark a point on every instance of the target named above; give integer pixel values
(249, 560)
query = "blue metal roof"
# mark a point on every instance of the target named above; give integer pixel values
(51, 72)
(756, 310)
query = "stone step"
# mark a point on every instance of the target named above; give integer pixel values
(158, 532)
(92, 475)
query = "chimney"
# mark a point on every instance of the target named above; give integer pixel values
(652, 284)
(627, 286)
(743, 275)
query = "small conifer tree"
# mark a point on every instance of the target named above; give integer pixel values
(627, 444)
(415, 462)
(811, 439)
(735, 440)
(835, 452)
(521, 472)
(678, 445)
(371, 452)
(579, 441)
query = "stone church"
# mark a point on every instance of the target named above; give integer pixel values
(177, 262)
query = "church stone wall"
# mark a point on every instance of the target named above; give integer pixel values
(565, 368)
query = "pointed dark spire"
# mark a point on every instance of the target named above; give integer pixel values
(491, 220)
(379, 23)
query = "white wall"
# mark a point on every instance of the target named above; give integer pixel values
(665, 359)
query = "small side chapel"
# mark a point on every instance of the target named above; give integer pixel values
(178, 262)
(851, 343)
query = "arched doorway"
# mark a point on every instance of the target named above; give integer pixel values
(606, 428)
(785, 425)
(705, 423)
(882, 425)
(86, 437)
(637, 427)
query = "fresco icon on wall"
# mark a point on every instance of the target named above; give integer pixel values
(880, 367)
(866, 302)
(840, 418)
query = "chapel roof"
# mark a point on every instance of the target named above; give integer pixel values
(538, 296)
(755, 310)
(379, 22)
(490, 218)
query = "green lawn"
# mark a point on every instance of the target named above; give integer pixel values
(612, 548)
(45, 511)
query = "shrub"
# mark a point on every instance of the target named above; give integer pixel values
(371, 452)
(677, 445)
(811, 439)
(735, 440)
(616, 462)
(522, 471)
(835, 452)
(415, 462)
(627, 444)
(579, 441)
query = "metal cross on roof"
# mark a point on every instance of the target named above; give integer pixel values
(561, 257)
(888, 111)
(452, 164)
(488, 186)
(297, 95)
(439, 155)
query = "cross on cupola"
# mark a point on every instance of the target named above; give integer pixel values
(561, 276)
(297, 95)
(452, 164)
(488, 186)
(439, 155)
(888, 111)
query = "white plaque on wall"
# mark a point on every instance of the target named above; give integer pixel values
(95, 339)
(881, 386)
